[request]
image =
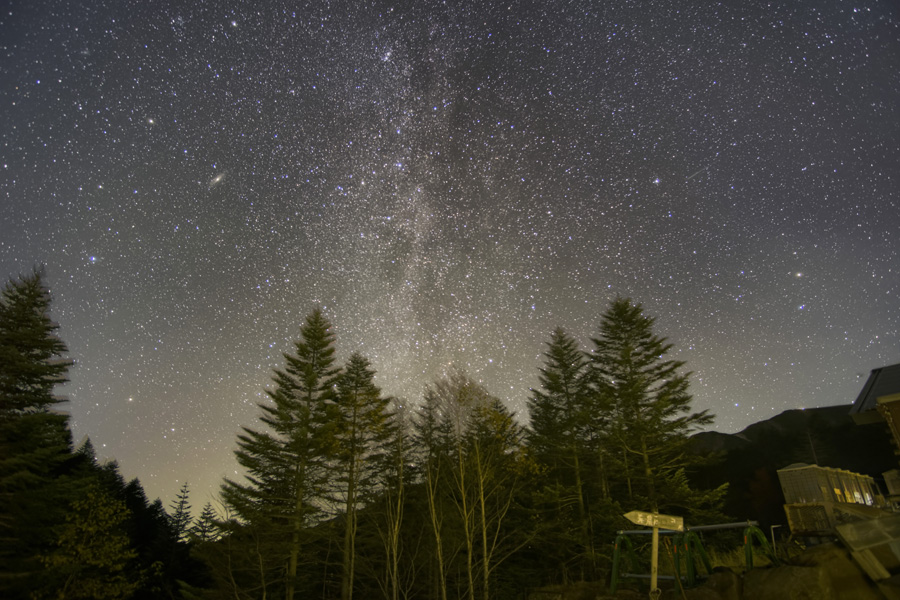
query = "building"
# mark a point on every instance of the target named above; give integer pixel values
(879, 400)
(817, 499)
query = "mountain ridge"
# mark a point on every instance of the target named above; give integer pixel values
(750, 459)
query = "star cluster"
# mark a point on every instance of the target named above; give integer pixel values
(450, 181)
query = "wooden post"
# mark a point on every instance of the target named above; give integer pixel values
(655, 520)
(654, 562)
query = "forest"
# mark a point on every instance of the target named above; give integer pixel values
(350, 492)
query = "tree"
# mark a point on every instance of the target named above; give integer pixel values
(474, 462)
(181, 514)
(286, 471)
(498, 463)
(389, 517)
(362, 428)
(565, 427)
(432, 438)
(32, 359)
(161, 559)
(206, 528)
(36, 459)
(650, 407)
(94, 552)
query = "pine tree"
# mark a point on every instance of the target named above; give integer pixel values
(160, 560)
(557, 409)
(362, 429)
(650, 407)
(181, 514)
(35, 442)
(31, 356)
(286, 472)
(206, 529)
(566, 424)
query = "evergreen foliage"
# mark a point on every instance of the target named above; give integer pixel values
(286, 465)
(345, 493)
(650, 416)
(567, 423)
(361, 428)
(206, 528)
(36, 458)
(31, 356)
(162, 560)
(69, 527)
(181, 514)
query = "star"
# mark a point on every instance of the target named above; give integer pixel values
(452, 185)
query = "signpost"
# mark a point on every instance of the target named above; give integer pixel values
(657, 522)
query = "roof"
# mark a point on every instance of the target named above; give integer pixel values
(801, 466)
(797, 465)
(884, 381)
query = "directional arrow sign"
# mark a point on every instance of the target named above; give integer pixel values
(655, 520)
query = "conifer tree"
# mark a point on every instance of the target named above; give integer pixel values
(286, 469)
(557, 409)
(206, 529)
(32, 358)
(566, 424)
(181, 514)
(650, 407)
(362, 428)
(35, 442)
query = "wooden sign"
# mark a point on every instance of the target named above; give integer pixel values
(655, 520)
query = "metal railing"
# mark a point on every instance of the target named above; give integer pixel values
(687, 549)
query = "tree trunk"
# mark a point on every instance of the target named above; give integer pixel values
(582, 513)
(485, 554)
(468, 525)
(431, 482)
(349, 550)
(627, 473)
(290, 584)
(648, 473)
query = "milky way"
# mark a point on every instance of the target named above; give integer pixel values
(450, 181)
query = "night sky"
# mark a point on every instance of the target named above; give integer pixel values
(449, 181)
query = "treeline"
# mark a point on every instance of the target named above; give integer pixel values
(69, 526)
(351, 492)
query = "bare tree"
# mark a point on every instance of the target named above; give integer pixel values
(475, 456)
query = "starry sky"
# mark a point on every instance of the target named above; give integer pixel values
(449, 181)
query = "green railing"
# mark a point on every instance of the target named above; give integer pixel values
(687, 549)
(755, 532)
